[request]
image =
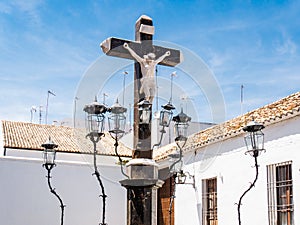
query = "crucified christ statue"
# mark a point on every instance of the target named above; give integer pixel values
(148, 64)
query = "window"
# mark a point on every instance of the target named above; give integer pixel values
(209, 201)
(280, 194)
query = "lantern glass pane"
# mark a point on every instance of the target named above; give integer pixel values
(181, 178)
(145, 116)
(116, 123)
(254, 140)
(49, 156)
(165, 118)
(95, 123)
(181, 129)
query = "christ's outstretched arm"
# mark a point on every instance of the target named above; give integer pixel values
(134, 55)
(168, 53)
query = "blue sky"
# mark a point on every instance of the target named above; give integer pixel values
(49, 45)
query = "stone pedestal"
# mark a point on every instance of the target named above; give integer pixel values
(142, 188)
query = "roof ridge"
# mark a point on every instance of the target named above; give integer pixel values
(35, 124)
(276, 111)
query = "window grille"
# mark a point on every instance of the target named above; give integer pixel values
(209, 201)
(280, 194)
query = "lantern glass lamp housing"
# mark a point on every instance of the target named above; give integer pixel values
(181, 124)
(49, 152)
(145, 111)
(95, 118)
(166, 115)
(117, 120)
(181, 177)
(254, 138)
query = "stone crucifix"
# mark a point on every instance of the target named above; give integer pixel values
(146, 56)
(141, 200)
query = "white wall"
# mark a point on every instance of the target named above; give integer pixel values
(1, 142)
(26, 199)
(234, 171)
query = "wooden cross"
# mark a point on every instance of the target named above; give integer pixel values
(142, 45)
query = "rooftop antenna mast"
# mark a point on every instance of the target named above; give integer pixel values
(49, 92)
(74, 114)
(242, 98)
(156, 73)
(32, 110)
(40, 114)
(129, 111)
(104, 95)
(174, 74)
(124, 78)
(186, 98)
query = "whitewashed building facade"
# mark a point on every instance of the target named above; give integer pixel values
(25, 195)
(222, 172)
(215, 157)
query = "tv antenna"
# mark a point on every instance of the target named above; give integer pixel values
(174, 74)
(104, 95)
(185, 98)
(124, 79)
(49, 92)
(40, 113)
(74, 113)
(32, 110)
(242, 98)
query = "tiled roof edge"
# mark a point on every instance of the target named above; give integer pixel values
(242, 120)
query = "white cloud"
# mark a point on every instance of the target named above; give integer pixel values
(235, 25)
(287, 46)
(217, 60)
(30, 8)
(27, 6)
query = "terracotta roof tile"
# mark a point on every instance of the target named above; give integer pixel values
(272, 113)
(20, 135)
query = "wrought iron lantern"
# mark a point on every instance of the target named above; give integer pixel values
(95, 118)
(181, 124)
(165, 119)
(49, 163)
(254, 138)
(117, 120)
(166, 114)
(185, 178)
(181, 177)
(145, 111)
(49, 153)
